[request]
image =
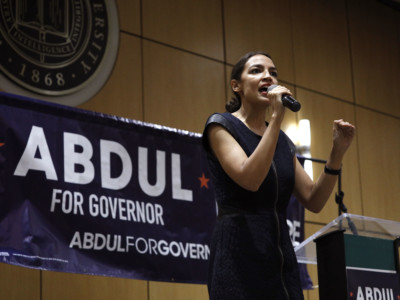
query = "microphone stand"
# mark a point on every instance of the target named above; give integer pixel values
(338, 197)
(342, 208)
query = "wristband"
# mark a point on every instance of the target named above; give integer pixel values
(332, 171)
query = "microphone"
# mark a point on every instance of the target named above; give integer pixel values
(287, 100)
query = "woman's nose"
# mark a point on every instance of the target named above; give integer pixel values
(267, 76)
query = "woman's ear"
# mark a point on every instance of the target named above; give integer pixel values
(235, 85)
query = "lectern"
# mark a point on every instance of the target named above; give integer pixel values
(356, 258)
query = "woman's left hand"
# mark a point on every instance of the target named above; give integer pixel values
(343, 134)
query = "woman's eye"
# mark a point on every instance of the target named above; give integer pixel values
(274, 74)
(254, 71)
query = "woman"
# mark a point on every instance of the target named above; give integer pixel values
(254, 171)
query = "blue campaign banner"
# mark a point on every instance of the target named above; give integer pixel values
(295, 221)
(91, 193)
(372, 284)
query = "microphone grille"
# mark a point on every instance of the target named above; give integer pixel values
(271, 87)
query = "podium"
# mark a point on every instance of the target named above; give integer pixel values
(357, 258)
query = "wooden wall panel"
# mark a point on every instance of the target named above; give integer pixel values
(228, 89)
(180, 90)
(65, 286)
(177, 291)
(320, 40)
(321, 111)
(379, 148)
(18, 283)
(375, 47)
(122, 94)
(191, 25)
(260, 25)
(129, 15)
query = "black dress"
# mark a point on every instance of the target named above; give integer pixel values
(252, 256)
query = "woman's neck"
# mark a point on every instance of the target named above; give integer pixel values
(253, 119)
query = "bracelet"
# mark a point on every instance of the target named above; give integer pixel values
(332, 171)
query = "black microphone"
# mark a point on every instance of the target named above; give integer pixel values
(287, 100)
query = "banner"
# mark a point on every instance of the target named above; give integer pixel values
(295, 221)
(89, 193)
(363, 284)
(96, 194)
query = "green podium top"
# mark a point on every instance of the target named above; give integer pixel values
(369, 253)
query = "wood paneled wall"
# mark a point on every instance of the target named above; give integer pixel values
(340, 57)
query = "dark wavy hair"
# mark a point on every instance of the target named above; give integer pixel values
(235, 102)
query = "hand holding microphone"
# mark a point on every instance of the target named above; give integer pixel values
(287, 100)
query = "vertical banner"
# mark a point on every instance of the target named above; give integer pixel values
(90, 193)
(295, 221)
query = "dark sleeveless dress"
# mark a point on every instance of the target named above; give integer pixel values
(252, 256)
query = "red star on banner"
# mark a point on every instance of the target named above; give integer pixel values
(203, 181)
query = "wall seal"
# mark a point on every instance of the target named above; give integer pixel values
(57, 50)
